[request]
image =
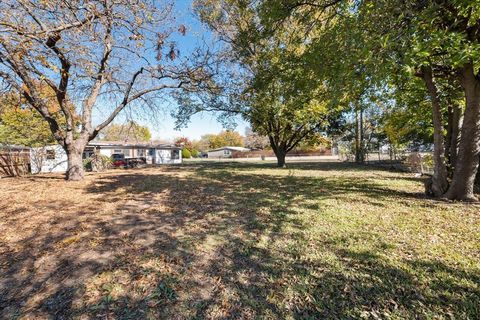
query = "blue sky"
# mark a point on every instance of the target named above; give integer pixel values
(200, 124)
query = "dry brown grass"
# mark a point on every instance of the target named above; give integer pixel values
(242, 241)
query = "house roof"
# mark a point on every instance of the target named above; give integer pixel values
(131, 144)
(230, 148)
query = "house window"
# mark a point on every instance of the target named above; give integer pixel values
(151, 152)
(117, 151)
(50, 154)
(126, 152)
(226, 152)
(175, 154)
(141, 153)
(87, 154)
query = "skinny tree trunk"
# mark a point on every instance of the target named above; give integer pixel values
(359, 154)
(455, 136)
(448, 137)
(439, 183)
(477, 179)
(462, 184)
(362, 138)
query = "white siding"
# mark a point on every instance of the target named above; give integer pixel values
(223, 153)
(105, 152)
(40, 163)
(163, 156)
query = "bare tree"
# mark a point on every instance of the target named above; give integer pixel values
(101, 55)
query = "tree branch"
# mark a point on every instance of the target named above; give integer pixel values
(61, 89)
(127, 99)
(100, 80)
(31, 94)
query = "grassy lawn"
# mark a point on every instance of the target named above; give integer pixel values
(236, 240)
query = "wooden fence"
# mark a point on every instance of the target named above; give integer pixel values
(14, 161)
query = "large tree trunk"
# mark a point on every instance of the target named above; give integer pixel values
(462, 184)
(439, 183)
(75, 170)
(280, 153)
(280, 150)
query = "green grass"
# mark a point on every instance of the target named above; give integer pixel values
(337, 241)
(251, 241)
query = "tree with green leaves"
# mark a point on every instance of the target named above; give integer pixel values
(386, 41)
(285, 119)
(437, 42)
(202, 144)
(130, 131)
(270, 82)
(225, 138)
(22, 125)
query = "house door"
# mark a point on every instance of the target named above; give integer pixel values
(151, 156)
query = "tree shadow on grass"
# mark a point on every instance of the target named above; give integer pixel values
(190, 246)
(310, 187)
(292, 165)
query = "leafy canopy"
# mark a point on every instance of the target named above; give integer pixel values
(20, 124)
(130, 131)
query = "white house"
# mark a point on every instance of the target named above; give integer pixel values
(54, 159)
(48, 159)
(225, 152)
(153, 153)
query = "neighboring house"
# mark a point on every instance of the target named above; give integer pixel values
(225, 152)
(153, 153)
(54, 159)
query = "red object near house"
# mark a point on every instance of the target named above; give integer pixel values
(119, 160)
(119, 163)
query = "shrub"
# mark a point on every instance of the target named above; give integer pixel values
(186, 154)
(427, 160)
(194, 153)
(97, 163)
(87, 164)
(345, 151)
